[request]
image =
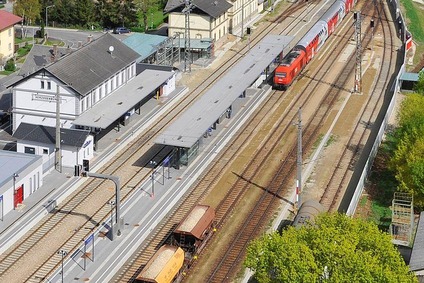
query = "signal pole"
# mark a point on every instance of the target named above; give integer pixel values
(186, 12)
(299, 159)
(358, 69)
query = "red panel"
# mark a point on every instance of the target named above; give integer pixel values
(349, 5)
(19, 196)
(408, 44)
(311, 49)
(332, 23)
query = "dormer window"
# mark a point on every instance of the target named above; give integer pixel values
(49, 85)
(42, 84)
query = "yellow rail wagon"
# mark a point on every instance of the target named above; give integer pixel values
(164, 266)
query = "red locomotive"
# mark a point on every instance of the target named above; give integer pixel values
(310, 44)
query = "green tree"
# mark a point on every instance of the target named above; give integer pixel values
(84, 13)
(143, 8)
(407, 160)
(29, 10)
(336, 248)
(419, 86)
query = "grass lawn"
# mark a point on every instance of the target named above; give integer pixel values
(415, 19)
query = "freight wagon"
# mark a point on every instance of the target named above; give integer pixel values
(164, 266)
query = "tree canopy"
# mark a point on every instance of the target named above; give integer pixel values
(407, 160)
(336, 248)
(29, 10)
(87, 13)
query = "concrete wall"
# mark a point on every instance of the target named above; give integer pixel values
(30, 177)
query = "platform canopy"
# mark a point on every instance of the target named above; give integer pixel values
(122, 100)
(195, 121)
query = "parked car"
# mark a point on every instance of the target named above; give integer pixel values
(107, 29)
(120, 30)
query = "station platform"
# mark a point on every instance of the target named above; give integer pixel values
(55, 183)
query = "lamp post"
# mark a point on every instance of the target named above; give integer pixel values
(15, 175)
(63, 254)
(46, 13)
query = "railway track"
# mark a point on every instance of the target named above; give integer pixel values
(347, 160)
(77, 216)
(256, 221)
(160, 236)
(213, 178)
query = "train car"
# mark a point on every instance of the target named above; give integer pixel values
(314, 39)
(348, 5)
(193, 231)
(307, 212)
(311, 43)
(334, 16)
(163, 267)
(289, 68)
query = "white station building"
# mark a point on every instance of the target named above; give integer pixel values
(94, 88)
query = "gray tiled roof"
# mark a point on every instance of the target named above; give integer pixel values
(416, 262)
(213, 8)
(39, 57)
(47, 135)
(87, 67)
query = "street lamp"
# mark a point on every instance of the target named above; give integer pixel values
(46, 13)
(15, 175)
(63, 254)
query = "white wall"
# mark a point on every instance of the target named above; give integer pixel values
(70, 156)
(35, 105)
(201, 26)
(32, 181)
(169, 86)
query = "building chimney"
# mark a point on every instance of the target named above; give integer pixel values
(79, 44)
(89, 38)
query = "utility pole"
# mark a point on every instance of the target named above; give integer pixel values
(186, 12)
(58, 152)
(299, 159)
(242, 18)
(358, 69)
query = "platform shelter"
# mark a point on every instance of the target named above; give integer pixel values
(185, 133)
(126, 101)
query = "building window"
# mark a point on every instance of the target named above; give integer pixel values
(10, 32)
(10, 46)
(42, 84)
(101, 91)
(49, 85)
(45, 151)
(30, 150)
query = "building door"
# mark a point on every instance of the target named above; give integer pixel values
(19, 196)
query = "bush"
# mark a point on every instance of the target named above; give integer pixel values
(10, 65)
